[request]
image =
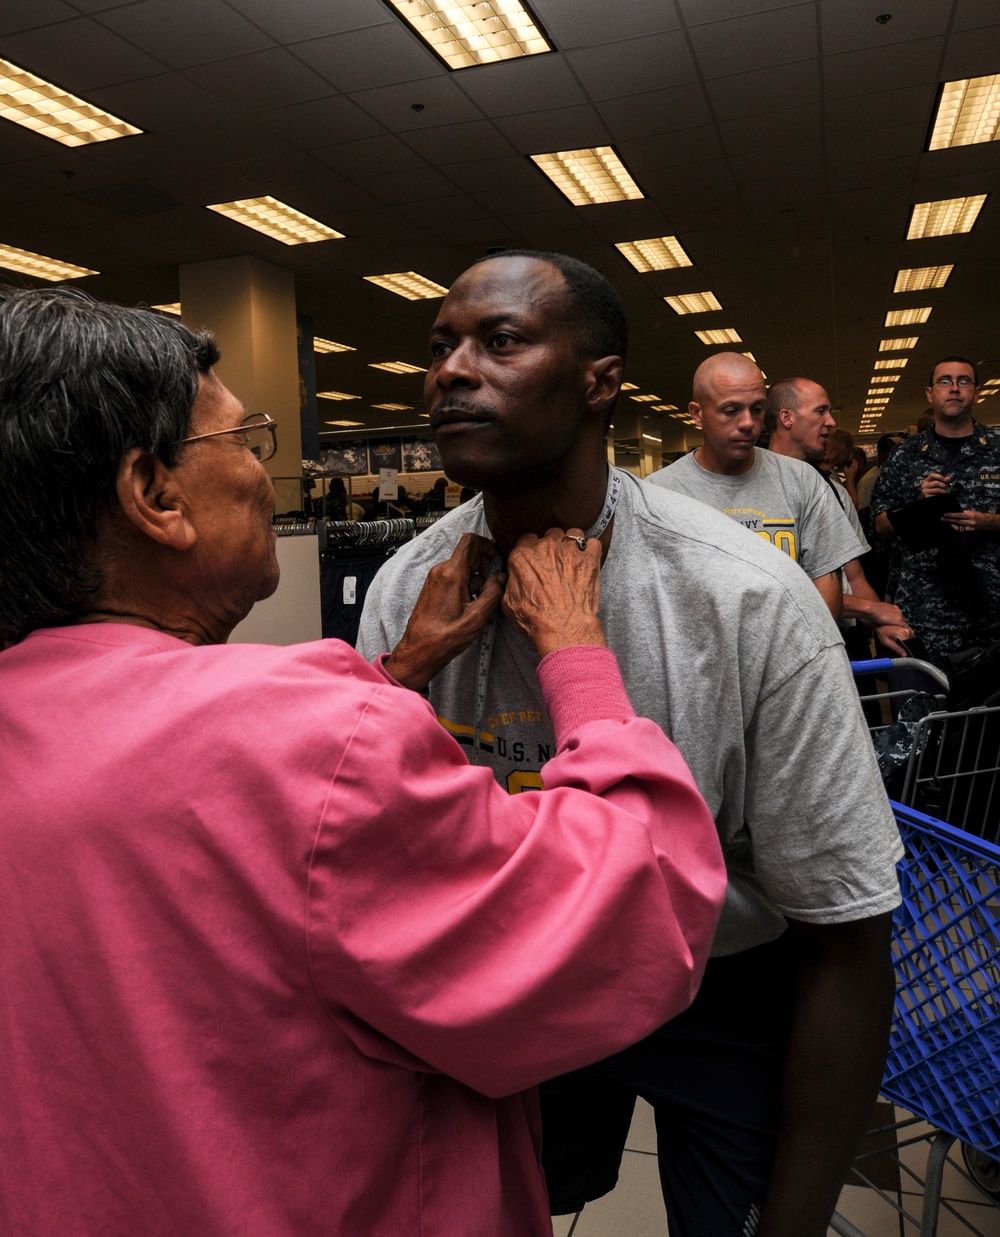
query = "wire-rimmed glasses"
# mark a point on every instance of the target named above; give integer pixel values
(259, 435)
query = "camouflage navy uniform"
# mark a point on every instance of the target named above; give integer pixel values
(950, 594)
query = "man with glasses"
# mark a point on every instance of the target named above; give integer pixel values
(949, 588)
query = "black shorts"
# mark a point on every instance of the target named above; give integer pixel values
(714, 1078)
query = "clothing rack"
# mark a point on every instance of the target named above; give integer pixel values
(351, 552)
(366, 536)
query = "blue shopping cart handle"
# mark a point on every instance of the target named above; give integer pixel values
(875, 665)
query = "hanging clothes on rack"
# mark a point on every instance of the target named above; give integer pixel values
(350, 554)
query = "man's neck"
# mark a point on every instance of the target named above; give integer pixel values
(723, 468)
(575, 503)
(953, 429)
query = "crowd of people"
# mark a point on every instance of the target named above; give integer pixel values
(314, 940)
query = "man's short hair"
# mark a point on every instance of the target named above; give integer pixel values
(783, 394)
(597, 307)
(954, 360)
(81, 383)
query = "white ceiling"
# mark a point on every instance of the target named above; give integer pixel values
(782, 142)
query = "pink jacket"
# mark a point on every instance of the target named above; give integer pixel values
(276, 961)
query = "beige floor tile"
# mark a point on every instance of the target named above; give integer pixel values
(562, 1226)
(633, 1209)
(872, 1215)
(642, 1135)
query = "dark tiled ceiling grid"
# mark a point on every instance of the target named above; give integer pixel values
(784, 143)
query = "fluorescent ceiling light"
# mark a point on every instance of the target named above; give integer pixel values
(920, 278)
(750, 357)
(946, 217)
(322, 346)
(629, 386)
(408, 284)
(907, 317)
(664, 407)
(651, 438)
(693, 303)
(895, 363)
(892, 379)
(345, 423)
(659, 253)
(474, 33)
(397, 367)
(335, 395)
(36, 104)
(993, 382)
(880, 393)
(394, 407)
(873, 401)
(174, 309)
(27, 263)
(275, 219)
(968, 112)
(725, 335)
(589, 177)
(902, 344)
(644, 399)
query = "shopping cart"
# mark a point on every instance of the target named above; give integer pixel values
(943, 1065)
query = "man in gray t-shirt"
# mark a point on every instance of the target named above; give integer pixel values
(783, 501)
(726, 645)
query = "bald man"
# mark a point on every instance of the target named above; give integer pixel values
(783, 501)
(802, 426)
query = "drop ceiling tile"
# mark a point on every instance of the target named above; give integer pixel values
(442, 211)
(65, 171)
(15, 189)
(979, 161)
(438, 101)
(864, 112)
(313, 19)
(756, 42)
(657, 111)
(17, 142)
(847, 27)
(561, 128)
(597, 25)
(321, 122)
(78, 55)
(667, 150)
(396, 188)
(185, 32)
(223, 141)
(286, 174)
(787, 127)
(456, 143)
(698, 11)
(137, 157)
(551, 230)
(537, 196)
(891, 142)
(261, 80)
(628, 221)
(974, 14)
(904, 64)
(531, 84)
(476, 236)
(764, 90)
(373, 156)
(881, 172)
(634, 66)
(26, 14)
(972, 53)
(364, 59)
(153, 104)
(680, 189)
(495, 175)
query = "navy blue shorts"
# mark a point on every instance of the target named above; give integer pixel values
(713, 1076)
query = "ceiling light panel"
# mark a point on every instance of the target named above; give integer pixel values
(27, 263)
(644, 399)
(335, 395)
(693, 303)
(629, 386)
(725, 335)
(895, 363)
(891, 379)
(408, 284)
(660, 253)
(174, 309)
(879, 393)
(946, 217)
(323, 346)
(468, 34)
(968, 112)
(589, 177)
(664, 407)
(902, 344)
(397, 367)
(907, 317)
(277, 220)
(920, 278)
(393, 407)
(347, 424)
(36, 104)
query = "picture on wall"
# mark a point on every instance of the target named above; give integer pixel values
(383, 453)
(345, 459)
(421, 455)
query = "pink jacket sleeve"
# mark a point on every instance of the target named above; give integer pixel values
(502, 939)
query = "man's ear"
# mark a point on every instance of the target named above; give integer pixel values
(786, 418)
(605, 382)
(694, 412)
(151, 499)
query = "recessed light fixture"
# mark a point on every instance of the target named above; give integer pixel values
(589, 177)
(659, 253)
(946, 217)
(27, 263)
(393, 407)
(346, 424)
(968, 112)
(664, 407)
(891, 379)
(174, 309)
(750, 357)
(474, 33)
(902, 344)
(693, 303)
(873, 401)
(907, 317)
(651, 438)
(335, 395)
(323, 346)
(725, 335)
(38, 105)
(629, 386)
(397, 367)
(409, 284)
(895, 363)
(992, 382)
(644, 399)
(277, 220)
(920, 278)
